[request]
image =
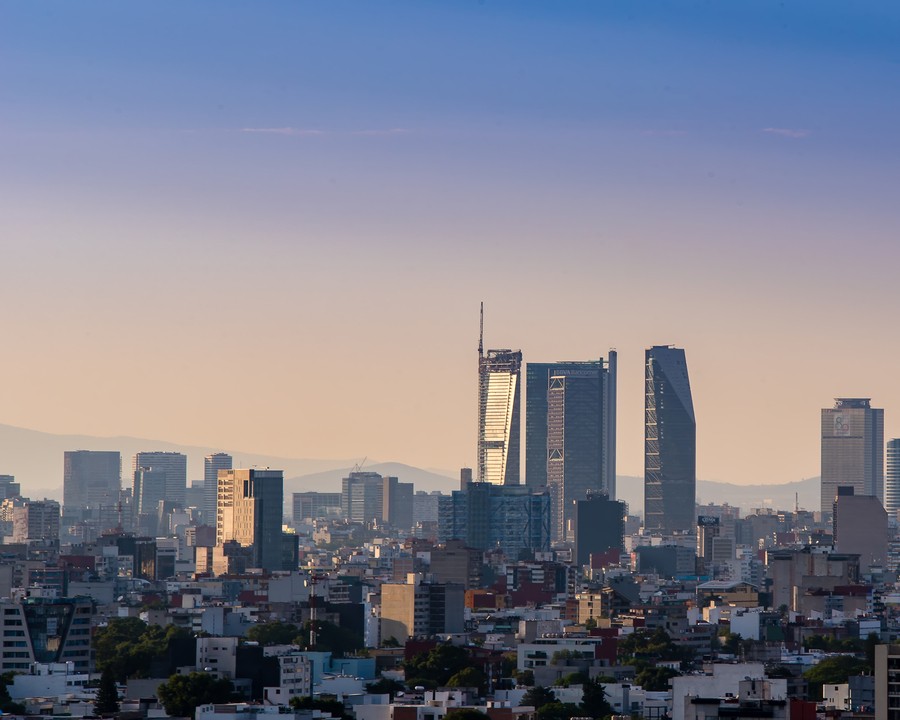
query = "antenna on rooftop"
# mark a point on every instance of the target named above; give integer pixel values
(481, 332)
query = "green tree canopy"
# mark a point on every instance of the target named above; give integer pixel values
(273, 633)
(107, 700)
(384, 686)
(655, 679)
(833, 671)
(538, 696)
(180, 695)
(469, 677)
(438, 665)
(593, 702)
(131, 648)
(558, 711)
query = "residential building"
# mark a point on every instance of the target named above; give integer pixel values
(173, 464)
(421, 609)
(35, 520)
(670, 447)
(212, 464)
(249, 513)
(91, 479)
(887, 682)
(852, 449)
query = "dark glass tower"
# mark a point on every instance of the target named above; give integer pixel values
(670, 445)
(570, 433)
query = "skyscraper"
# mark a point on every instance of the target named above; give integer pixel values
(91, 479)
(570, 433)
(211, 466)
(892, 479)
(852, 449)
(173, 464)
(499, 392)
(249, 511)
(670, 442)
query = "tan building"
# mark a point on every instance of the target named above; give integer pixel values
(419, 609)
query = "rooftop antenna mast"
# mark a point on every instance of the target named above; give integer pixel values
(481, 332)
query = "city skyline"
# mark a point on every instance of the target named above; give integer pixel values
(600, 175)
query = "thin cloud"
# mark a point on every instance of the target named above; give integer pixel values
(292, 131)
(381, 133)
(795, 133)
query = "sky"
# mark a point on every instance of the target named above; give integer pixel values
(267, 226)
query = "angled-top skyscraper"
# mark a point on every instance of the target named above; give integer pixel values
(570, 434)
(852, 449)
(670, 443)
(499, 392)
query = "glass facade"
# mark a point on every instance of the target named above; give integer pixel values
(670, 443)
(892, 479)
(499, 391)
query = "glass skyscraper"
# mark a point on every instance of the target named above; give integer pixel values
(892, 479)
(570, 434)
(852, 449)
(670, 443)
(499, 392)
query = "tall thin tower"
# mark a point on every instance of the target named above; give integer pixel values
(670, 443)
(499, 393)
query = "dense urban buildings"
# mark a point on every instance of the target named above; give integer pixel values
(852, 449)
(670, 446)
(92, 479)
(173, 464)
(570, 433)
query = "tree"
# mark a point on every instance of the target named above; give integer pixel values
(6, 702)
(466, 714)
(538, 696)
(328, 704)
(273, 633)
(525, 677)
(107, 700)
(558, 711)
(469, 677)
(180, 695)
(437, 666)
(575, 678)
(655, 679)
(131, 648)
(593, 701)
(384, 686)
(833, 671)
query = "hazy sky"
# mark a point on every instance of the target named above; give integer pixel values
(267, 226)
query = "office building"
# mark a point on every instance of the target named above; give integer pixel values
(149, 490)
(211, 466)
(9, 488)
(570, 434)
(887, 682)
(362, 497)
(173, 464)
(892, 479)
(670, 443)
(397, 504)
(91, 480)
(860, 526)
(42, 630)
(852, 449)
(599, 526)
(249, 513)
(512, 519)
(313, 505)
(499, 393)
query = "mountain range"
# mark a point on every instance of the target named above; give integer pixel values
(36, 459)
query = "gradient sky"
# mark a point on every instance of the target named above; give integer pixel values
(267, 226)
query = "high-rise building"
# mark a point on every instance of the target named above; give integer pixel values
(148, 492)
(54, 630)
(670, 443)
(499, 393)
(35, 520)
(599, 526)
(860, 526)
(211, 466)
(570, 434)
(512, 519)
(314, 505)
(92, 479)
(420, 609)
(892, 479)
(852, 449)
(397, 503)
(173, 464)
(249, 513)
(362, 497)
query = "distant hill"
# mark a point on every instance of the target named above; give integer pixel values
(36, 458)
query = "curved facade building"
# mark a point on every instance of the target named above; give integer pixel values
(670, 443)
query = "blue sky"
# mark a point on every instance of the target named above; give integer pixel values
(343, 182)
